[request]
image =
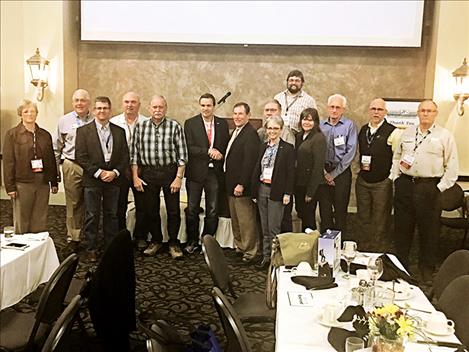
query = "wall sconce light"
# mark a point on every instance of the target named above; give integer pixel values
(39, 67)
(461, 92)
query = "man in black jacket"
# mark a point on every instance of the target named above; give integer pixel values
(102, 152)
(241, 156)
(207, 136)
(373, 188)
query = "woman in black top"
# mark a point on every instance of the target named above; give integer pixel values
(311, 153)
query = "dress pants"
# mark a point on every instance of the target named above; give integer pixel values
(417, 203)
(30, 205)
(157, 179)
(306, 211)
(194, 195)
(374, 206)
(244, 224)
(140, 230)
(95, 197)
(72, 177)
(271, 213)
(333, 203)
(287, 222)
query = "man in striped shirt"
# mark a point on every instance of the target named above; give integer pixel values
(158, 161)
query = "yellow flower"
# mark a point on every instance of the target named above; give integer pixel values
(406, 327)
(387, 310)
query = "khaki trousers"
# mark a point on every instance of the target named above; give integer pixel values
(30, 206)
(244, 224)
(72, 177)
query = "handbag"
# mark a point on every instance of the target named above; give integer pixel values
(289, 249)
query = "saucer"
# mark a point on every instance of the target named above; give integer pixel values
(333, 324)
(449, 331)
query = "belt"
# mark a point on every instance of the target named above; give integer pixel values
(267, 184)
(421, 179)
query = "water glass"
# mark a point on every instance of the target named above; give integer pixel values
(349, 252)
(353, 343)
(375, 269)
(9, 231)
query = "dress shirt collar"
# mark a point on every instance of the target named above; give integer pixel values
(428, 131)
(100, 126)
(374, 129)
(299, 94)
(158, 124)
(338, 122)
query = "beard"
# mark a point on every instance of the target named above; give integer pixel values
(293, 88)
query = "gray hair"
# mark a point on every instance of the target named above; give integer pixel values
(276, 119)
(340, 96)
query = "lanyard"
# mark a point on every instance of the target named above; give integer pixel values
(424, 137)
(286, 102)
(34, 145)
(108, 139)
(370, 137)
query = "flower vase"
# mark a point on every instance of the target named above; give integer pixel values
(382, 344)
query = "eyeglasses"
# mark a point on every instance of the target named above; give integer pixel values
(377, 109)
(426, 111)
(102, 108)
(273, 128)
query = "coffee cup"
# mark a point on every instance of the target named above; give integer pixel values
(362, 274)
(438, 323)
(330, 313)
(303, 269)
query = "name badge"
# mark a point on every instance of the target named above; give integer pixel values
(366, 162)
(267, 174)
(338, 141)
(36, 165)
(406, 161)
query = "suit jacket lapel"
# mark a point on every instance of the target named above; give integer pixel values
(203, 130)
(97, 139)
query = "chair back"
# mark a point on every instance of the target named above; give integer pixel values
(454, 302)
(61, 329)
(217, 265)
(455, 265)
(51, 302)
(237, 340)
(452, 198)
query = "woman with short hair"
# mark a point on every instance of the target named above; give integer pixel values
(29, 170)
(272, 182)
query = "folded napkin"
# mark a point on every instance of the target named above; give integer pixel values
(312, 281)
(337, 336)
(390, 270)
(40, 236)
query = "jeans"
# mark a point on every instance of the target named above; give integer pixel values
(107, 196)
(194, 195)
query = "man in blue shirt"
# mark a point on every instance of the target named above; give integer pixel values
(341, 137)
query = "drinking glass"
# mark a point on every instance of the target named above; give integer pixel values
(375, 269)
(9, 231)
(349, 252)
(353, 343)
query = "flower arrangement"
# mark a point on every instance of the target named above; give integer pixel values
(391, 323)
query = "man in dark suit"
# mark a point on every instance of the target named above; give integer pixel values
(207, 137)
(102, 152)
(241, 157)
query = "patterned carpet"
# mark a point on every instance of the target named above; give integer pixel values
(179, 291)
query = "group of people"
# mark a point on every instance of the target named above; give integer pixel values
(296, 157)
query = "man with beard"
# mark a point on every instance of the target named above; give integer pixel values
(294, 100)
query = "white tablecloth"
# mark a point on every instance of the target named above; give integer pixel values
(298, 328)
(21, 272)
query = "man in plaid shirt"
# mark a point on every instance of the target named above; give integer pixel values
(158, 160)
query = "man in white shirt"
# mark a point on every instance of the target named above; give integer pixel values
(128, 120)
(425, 163)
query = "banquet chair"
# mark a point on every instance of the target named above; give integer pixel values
(237, 340)
(455, 265)
(454, 302)
(455, 199)
(56, 340)
(250, 307)
(25, 331)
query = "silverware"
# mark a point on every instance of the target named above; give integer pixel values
(415, 309)
(441, 343)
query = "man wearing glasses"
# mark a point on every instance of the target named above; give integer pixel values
(425, 164)
(293, 101)
(373, 188)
